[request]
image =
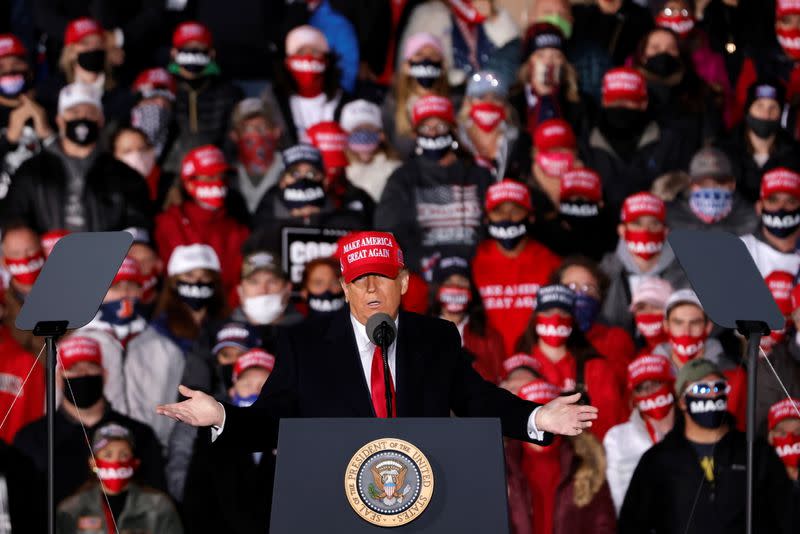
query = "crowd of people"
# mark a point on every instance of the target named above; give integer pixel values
(529, 163)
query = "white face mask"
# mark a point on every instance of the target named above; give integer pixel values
(141, 161)
(263, 309)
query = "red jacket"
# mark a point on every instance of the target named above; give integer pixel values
(189, 223)
(488, 351)
(508, 286)
(616, 346)
(15, 363)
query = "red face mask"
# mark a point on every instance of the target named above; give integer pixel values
(651, 326)
(788, 449)
(464, 10)
(679, 23)
(789, 38)
(115, 476)
(149, 286)
(555, 163)
(487, 115)
(657, 404)
(553, 330)
(454, 299)
(308, 72)
(644, 243)
(687, 348)
(256, 152)
(209, 194)
(26, 270)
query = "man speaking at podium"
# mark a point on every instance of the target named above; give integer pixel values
(330, 368)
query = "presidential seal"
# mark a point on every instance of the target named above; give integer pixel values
(389, 482)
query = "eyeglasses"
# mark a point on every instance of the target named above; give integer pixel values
(706, 389)
(668, 11)
(586, 289)
(308, 175)
(439, 128)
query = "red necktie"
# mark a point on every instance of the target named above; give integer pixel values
(378, 386)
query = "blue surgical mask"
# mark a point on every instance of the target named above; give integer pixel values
(244, 402)
(711, 204)
(586, 310)
(120, 312)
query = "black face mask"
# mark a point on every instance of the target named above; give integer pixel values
(87, 390)
(426, 72)
(434, 148)
(763, 128)
(303, 192)
(579, 210)
(83, 132)
(707, 412)
(663, 65)
(194, 61)
(508, 233)
(93, 60)
(326, 302)
(781, 223)
(196, 296)
(226, 373)
(13, 84)
(621, 123)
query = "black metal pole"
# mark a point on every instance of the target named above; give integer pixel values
(387, 380)
(50, 342)
(753, 341)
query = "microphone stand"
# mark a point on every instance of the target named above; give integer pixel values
(387, 381)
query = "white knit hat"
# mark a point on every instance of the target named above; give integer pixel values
(78, 93)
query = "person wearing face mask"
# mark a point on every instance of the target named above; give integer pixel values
(784, 435)
(648, 300)
(475, 35)
(760, 143)
(132, 147)
(432, 203)
(213, 474)
(642, 251)
(455, 298)
(711, 201)
(370, 158)
(72, 184)
(320, 288)
(256, 133)
(650, 384)
(510, 266)
(144, 251)
(154, 364)
(116, 500)
(154, 93)
(627, 148)
(204, 215)
(696, 475)
(80, 376)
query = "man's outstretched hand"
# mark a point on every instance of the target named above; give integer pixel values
(199, 409)
(562, 416)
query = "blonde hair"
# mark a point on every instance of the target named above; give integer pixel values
(404, 86)
(68, 60)
(569, 84)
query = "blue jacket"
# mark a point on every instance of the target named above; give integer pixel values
(341, 36)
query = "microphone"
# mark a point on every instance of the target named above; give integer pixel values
(382, 331)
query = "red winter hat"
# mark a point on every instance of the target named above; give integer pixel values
(129, 271)
(787, 7)
(432, 106)
(79, 28)
(155, 82)
(191, 31)
(554, 133)
(49, 240)
(785, 409)
(780, 180)
(10, 45)
(780, 284)
(253, 358)
(76, 349)
(649, 367)
(331, 141)
(363, 253)
(206, 160)
(581, 182)
(642, 204)
(508, 191)
(539, 391)
(521, 360)
(624, 83)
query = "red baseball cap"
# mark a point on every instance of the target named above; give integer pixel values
(521, 360)
(624, 83)
(49, 240)
(795, 297)
(79, 28)
(189, 32)
(129, 271)
(581, 182)
(781, 410)
(155, 82)
(508, 191)
(331, 140)
(780, 180)
(206, 160)
(539, 391)
(10, 45)
(363, 253)
(432, 106)
(649, 367)
(787, 7)
(554, 133)
(76, 349)
(253, 358)
(642, 204)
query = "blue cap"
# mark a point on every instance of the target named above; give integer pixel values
(236, 334)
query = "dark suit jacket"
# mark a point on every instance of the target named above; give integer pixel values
(318, 373)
